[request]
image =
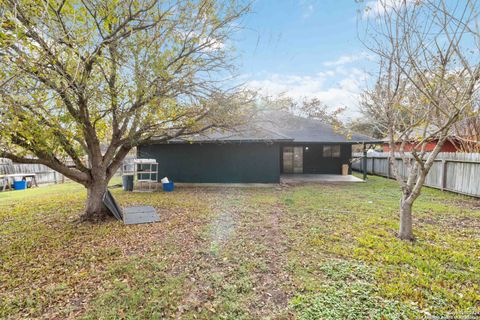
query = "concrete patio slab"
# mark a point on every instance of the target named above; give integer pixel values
(317, 178)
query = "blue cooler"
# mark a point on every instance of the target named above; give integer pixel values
(20, 185)
(168, 187)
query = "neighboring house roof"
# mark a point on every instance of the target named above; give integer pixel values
(416, 133)
(466, 128)
(276, 126)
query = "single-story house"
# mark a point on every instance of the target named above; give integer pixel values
(281, 143)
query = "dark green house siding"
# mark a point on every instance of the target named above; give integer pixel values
(315, 162)
(216, 162)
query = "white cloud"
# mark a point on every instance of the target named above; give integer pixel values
(308, 11)
(374, 8)
(336, 88)
(347, 59)
(308, 8)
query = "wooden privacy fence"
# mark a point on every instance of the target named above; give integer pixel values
(43, 173)
(455, 172)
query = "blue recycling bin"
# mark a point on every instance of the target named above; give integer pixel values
(20, 185)
(168, 187)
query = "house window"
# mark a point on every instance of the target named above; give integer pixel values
(331, 151)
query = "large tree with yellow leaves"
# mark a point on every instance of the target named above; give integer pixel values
(85, 81)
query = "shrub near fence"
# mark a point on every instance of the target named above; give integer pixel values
(455, 172)
(43, 174)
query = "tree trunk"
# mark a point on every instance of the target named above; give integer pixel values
(405, 232)
(94, 209)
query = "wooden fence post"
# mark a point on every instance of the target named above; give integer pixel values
(364, 162)
(388, 167)
(443, 179)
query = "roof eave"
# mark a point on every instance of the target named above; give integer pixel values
(340, 142)
(218, 141)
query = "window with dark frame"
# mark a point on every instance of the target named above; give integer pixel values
(331, 151)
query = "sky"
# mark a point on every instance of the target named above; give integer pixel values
(304, 48)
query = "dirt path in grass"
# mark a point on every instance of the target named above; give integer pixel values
(274, 282)
(222, 229)
(243, 273)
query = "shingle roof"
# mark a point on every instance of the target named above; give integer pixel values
(246, 133)
(302, 129)
(278, 127)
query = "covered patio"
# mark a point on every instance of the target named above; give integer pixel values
(317, 178)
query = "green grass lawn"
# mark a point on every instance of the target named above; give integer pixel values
(307, 252)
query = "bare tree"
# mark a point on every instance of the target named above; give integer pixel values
(429, 69)
(83, 82)
(308, 107)
(466, 134)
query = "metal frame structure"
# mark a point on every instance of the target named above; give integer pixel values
(145, 174)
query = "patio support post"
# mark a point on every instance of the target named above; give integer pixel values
(364, 162)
